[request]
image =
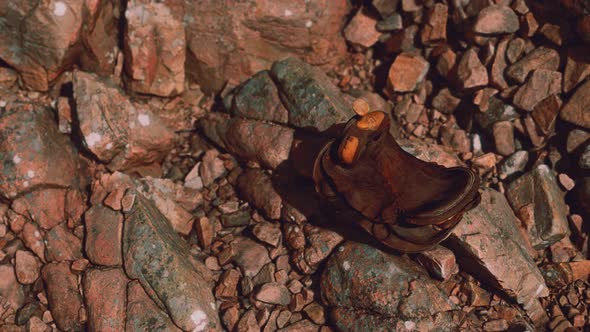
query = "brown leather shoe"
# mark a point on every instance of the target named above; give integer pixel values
(404, 202)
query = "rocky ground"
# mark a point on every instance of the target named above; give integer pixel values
(146, 182)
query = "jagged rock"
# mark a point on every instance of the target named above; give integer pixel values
(488, 244)
(405, 297)
(117, 132)
(151, 250)
(539, 203)
(34, 152)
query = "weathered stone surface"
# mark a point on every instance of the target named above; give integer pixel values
(545, 113)
(268, 233)
(250, 255)
(499, 65)
(151, 250)
(44, 39)
(264, 143)
(104, 234)
(540, 85)
(405, 293)
(498, 110)
(496, 19)
(540, 58)
(385, 8)
(577, 67)
(171, 199)
(155, 49)
(62, 245)
(119, 133)
(245, 38)
(105, 295)
(274, 293)
(143, 314)
(50, 207)
(257, 188)
(63, 295)
(34, 152)
(503, 132)
(313, 102)
(361, 29)
(439, 261)
(258, 99)
(311, 245)
(445, 102)
(539, 203)
(407, 71)
(487, 244)
(471, 72)
(435, 30)
(515, 49)
(576, 108)
(513, 164)
(10, 289)
(26, 267)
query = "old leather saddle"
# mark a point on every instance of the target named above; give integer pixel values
(406, 203)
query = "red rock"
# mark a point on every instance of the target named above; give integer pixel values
(545, 113)
(488, 240)
(576, 109)
(446, 62)
(439, 261)
(104, 234)
(155, 49)
(274, 293)
(540, 85)
(407, 71)
(470, 71)
(34, 240)
(496, 325)
(248, 322)
(515, 49)
(361, 30)
(227, 287)
(211, 168)
(435, 30)
(155, 255)
(504, 138)
(248, 139)
(35, 324)
(7, 77)
(402, 41)
(53, 34)
(10, 290)
(62, 245)
(553, 33)
(315, 312)
(320, 243)
(577, 67)
(40, 155)
(171, 198)
(247, 37)
(119, 133)
(411, 5)
(268, 233)
(193, 180)
(529, 24)
(250, 256)
(105, 293)
(47, 207)
(80, 265)
(205, 232)
(64, 115)
(499, 65)
(445, 102)
(257, 189)
(143, 314)
(64, 297)
(575, 139)
(496, 19)
(540, 58)
(26, 267)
